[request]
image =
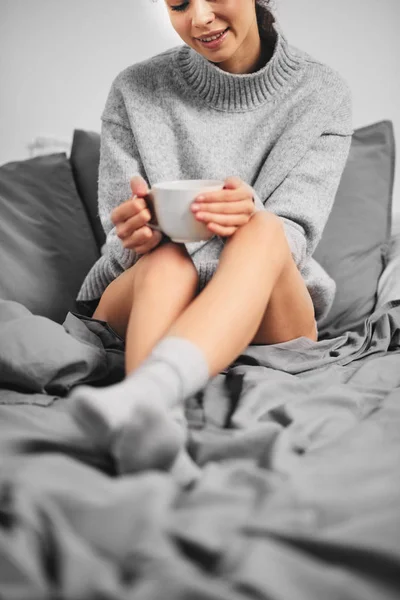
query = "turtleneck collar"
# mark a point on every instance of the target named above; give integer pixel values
(241, 92)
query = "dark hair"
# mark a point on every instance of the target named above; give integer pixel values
(266, 18)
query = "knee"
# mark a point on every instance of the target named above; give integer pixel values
(169, 261)
(266, 234)
(266, 229)
(263, 220)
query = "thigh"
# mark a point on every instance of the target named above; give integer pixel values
(290, 311)
(166, 261)
(116, 302)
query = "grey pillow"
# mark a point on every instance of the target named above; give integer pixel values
(46, 242)
(355, 241)
(84, 159)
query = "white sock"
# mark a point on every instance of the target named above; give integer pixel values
(141, 419)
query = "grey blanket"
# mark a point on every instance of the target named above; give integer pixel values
(300, 495)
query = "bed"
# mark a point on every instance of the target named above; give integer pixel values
(299, 443)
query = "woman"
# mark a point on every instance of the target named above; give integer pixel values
(273, 123)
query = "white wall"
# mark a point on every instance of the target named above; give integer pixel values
(57, 59)
(359, 38)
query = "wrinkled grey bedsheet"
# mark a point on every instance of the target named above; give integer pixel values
(299, 499)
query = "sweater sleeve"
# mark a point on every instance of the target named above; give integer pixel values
(305, 197)
(119, 161)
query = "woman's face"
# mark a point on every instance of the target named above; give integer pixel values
(195, 19)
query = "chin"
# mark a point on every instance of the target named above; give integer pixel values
(215, 57)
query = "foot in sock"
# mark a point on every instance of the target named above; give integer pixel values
(140, 420)
(143, 437)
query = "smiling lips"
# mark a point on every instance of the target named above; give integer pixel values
(215, 40)
(212, 35)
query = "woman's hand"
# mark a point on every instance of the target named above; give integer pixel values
(131, 217)
(226, 210)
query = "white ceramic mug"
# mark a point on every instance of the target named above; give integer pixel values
(169, 203)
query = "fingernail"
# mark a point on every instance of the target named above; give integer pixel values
(195, 206)
(200, 198)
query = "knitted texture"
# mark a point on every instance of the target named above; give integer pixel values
(285, 130)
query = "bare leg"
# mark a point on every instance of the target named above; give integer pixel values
(140, 305)
(143, 302)
(156, 297)
(257, 293)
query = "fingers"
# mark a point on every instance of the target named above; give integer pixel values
(240, 206)
(233, 183)
(131, 217)
(143, 237)
(127, 209)
(225, 195)
(138, 186)
(150, 244)
(135, 204)
(234, 220)
(127, 228)
(226, 210)
(235, 200)
(221, 230)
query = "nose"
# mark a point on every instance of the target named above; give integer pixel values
(202, 13)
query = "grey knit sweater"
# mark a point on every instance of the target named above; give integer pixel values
(285, 130)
